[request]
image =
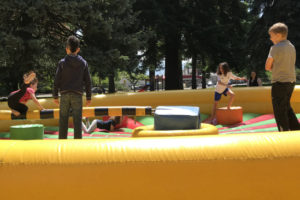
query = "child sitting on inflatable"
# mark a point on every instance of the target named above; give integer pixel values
(110, 125)
(18, 99)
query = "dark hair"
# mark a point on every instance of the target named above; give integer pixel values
(251, 81)
(73, 43)
(117, 120)
(225, 68)
(250, 75)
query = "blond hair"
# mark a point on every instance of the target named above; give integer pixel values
(279, 28)
(34, 81)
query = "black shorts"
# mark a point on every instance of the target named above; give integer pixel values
(105, 124)
(13, 100)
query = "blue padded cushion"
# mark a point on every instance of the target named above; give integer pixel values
(177, 118)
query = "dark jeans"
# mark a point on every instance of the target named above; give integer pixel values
(13, 100)
(70, 102)
(284, 115)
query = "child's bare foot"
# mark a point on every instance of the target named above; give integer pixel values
(228, 107)
(16, 113)
(29, 77)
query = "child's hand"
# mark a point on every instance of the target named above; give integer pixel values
(56, 101)
(88, 102)
(229, 86)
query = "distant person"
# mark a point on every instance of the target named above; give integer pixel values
(71, 77)
(281, 62)
(17, 100)
(223, 87)
(110, 125)
(254, 80)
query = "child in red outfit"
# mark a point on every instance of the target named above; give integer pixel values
(18, 99)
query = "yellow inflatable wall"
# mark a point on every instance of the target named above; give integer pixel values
(253, 100)
(244, 166)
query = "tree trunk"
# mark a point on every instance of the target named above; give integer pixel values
(173, 68)
(152, 79)
(111, 83)
(194, 66)
(203, 74)
(203, 82)
(152, 54)
(157, 82)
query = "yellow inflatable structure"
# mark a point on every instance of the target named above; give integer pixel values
(148, 131)
(86, 112)
(244, 166)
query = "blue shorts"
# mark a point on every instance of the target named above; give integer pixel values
(218, 95)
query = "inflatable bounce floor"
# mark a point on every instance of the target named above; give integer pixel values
(252, 123)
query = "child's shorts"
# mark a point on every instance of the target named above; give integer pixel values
(218, 95)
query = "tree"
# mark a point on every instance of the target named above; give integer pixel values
(134, 78)
(32, 37)
(171, 27)
(149, 16)
(162, 19)
(265, 13)
(214, 32)
(110, 36)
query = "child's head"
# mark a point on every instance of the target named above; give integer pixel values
(253, 74)
(34, 83)
(116, 120)
(278, 32)
(72, 45)
(223, 68)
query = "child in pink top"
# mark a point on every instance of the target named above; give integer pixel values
(18, 99)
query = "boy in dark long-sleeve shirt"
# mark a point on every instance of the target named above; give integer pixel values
(71, 77)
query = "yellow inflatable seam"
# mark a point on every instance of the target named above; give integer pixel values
(148, 131)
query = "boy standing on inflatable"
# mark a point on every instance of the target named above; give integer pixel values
(71, 75)
(281, 62)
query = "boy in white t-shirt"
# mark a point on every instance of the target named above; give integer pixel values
(223, 87)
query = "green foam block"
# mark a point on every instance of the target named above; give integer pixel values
(27, 132)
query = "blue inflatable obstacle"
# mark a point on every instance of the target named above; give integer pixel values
(177, 118)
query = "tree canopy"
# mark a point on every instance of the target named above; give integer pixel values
(136, 36)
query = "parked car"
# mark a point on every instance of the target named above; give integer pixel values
(98, 90)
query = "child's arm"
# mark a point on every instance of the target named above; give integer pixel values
(36, 101)
(259, 82)
(269, 63)
(234, 77)
(241, 78)
(56, 101)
